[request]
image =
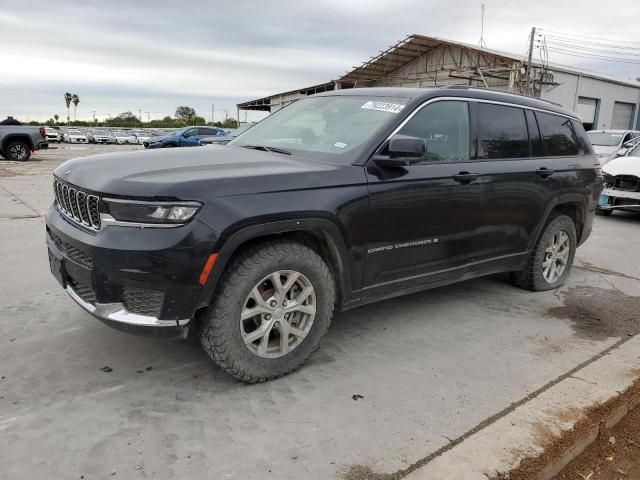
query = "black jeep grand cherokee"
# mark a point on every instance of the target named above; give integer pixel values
(338, 200)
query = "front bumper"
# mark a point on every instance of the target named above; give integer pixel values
(141, 281)
(613, 199)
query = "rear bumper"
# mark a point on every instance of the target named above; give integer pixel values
(141, 281)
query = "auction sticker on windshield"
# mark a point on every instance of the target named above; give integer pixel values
(383, 106)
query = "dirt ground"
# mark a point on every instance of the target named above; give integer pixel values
(615, 455)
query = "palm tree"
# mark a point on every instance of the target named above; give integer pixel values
(76, 100)
(67, 99)
(56, 117)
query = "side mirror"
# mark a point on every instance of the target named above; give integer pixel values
(622, 152)
(403, 150)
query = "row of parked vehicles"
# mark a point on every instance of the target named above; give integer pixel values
(100, 135)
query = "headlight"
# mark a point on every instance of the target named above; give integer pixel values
(151, 212)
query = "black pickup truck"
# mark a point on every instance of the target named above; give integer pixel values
(18, 141)
(338, 200)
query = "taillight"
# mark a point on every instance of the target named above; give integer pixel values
(43, 134)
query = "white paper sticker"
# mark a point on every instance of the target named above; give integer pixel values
(383, 106)
(340, 145)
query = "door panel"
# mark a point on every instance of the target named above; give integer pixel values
(421, 218)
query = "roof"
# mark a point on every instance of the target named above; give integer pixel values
(422, 94)
(410, 49)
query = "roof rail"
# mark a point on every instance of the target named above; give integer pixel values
(465, 87)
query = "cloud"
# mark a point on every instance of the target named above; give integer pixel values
(150, 54)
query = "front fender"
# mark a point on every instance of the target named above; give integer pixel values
(228, 246)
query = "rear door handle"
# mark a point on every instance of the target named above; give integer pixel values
(465, 177)
(545, 172)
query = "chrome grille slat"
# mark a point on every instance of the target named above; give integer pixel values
(78, 205)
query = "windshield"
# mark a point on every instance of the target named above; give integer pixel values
(334, 129)
(605, 139)
(635, 152)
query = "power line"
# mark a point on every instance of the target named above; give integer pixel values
(581, 43)
(588, 36)
(593, 56)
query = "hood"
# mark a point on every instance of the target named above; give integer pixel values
(602, 150)
(623, 166)
(201, 173)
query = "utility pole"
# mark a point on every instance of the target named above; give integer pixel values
(94, 116)
(140, 114)
(531, 39)
(212, 108)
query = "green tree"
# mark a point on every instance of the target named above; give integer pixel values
(185, 113)
(76, 100)
(67, 100)
(125, 119)
(56, 117)
(230, 123)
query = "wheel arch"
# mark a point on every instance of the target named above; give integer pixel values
(322, 235)
(16, 136)
(571, 205)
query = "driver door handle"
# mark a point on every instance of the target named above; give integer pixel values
(545, 172)
(465, 177)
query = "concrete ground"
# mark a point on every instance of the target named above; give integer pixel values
(431, 367)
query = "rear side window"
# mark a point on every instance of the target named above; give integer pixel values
(581, 136)
(557, 135)
(537, 149)
(502, 132)
(445, 127)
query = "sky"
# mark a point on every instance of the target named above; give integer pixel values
(151, 56)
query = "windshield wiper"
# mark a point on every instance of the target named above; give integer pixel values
(267, 149)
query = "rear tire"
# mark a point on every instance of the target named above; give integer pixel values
(17, 151)
(604, 213)
(247, 303)
(550, 262)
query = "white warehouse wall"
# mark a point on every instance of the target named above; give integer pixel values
(573, 85)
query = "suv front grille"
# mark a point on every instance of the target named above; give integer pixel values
(143, 301)
(629, 183)
(72, 252)
(77, 204)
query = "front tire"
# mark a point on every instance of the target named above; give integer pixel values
(273, 305)
(550, 262)
(18, 151)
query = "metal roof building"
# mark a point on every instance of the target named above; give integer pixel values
(601, 100)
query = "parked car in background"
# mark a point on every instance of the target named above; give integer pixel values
(73, 135)
(185, 137)
(608, 143)
(226, 137)
(53, 135)
(379, 192)
(622, 183)
(18, 141)
(123, 137)
(104, 137)
(140, 137)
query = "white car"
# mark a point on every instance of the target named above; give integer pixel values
(123, 138)
(621, 184)
(53, 135)
(142, 137)
(608, 143)
(75, 136)
(102, 137)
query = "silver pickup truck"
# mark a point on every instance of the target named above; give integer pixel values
(17, 142)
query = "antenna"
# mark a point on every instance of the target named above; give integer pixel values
(482, 43)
